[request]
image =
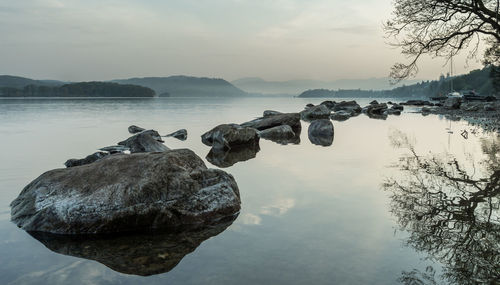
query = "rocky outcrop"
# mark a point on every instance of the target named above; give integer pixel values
(142, 254)
(123, 193)
(180, 134)
(316, 112)
(226, 158)
(145, 141)
(227, 136)
(291, 119)
(135, 129)
(321, 132)
(88, 159)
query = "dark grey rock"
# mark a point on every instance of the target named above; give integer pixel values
(374, 102)
(340, 116)
(321, 132)
(180, 134)
(316, 112)
(393, 112)
(146, 141)
(489, 107)
(88, 159)
(227, 136)
(291, 119)
(283, 134)
(348, 106)
(425, 111)
(397, 107)
(309, 106)
(329, 104)
(135, 129)
(226, 158)
(122, 193)
(268, 113)
(142, 254)
(417, 103)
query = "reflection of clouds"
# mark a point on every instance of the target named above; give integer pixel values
(278, 208)
(250, 219)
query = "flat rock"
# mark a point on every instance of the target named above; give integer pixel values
(291, 119)
(321, 132)
(88, 159)
(123, 193)
(227, 136)
(316, 112)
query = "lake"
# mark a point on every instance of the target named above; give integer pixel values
(389, 202)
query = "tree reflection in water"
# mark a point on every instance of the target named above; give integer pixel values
(450, 209)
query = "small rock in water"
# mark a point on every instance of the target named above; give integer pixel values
(316, 112)
(291, 119)
(281, 134)
(340, 116)
(135, 129)
(321, 132)
(374, 102)
(88, 159)
(180, 134)
(227, 136)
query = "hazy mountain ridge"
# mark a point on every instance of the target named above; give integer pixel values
(259, 85)
(187, 86)
(21, 82)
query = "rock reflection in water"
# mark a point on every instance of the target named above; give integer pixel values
(138, 254)
(321, 132)
(227, 158)
(451, 212)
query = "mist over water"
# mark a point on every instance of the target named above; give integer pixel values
(310, 214)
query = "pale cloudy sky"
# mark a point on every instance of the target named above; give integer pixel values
(274, 39)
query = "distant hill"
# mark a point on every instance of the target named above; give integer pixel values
(258, 85)
(478, 80)
(80, 89)
(21, 82)
(187, 86)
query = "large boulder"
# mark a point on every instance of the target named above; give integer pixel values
(452, 103)
(88, 159)
(122, 193)
(291, 119)
(142, 254)
(180, 134)
(321, 132)
(145, 141)
(316, 112)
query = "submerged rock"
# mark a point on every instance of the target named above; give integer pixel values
(227, 136)
(226, 158)
(316, 112)
(135, 129)
(321, 132)
(88, 159)
(146, 141)
(122, 193)
(291, 119)
(138, 254)
(180, 134)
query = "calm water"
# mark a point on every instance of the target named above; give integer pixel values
(361, 211)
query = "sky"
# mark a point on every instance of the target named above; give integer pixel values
(77, 40)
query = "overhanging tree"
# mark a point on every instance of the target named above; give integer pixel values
(443, 28)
